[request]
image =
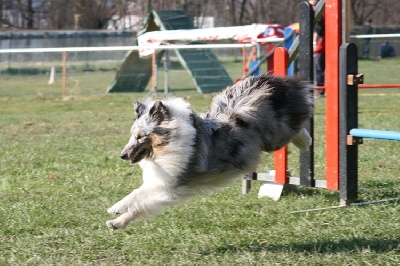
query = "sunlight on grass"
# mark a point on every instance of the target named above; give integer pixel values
(60, 170)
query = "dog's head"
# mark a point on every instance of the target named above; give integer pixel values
(145, 131)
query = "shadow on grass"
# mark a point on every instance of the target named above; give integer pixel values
(370, 189)
(312, 191)
(329, 246)
(24, 71)
(380, 189)
(42, 71)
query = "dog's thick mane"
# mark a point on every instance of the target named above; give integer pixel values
(177, 146)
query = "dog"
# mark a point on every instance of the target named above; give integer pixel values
(183, 154)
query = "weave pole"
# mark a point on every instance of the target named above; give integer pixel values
(306, 71)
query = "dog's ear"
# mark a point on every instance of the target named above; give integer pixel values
(159, 112)
(139, 108)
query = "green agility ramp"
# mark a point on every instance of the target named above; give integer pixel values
(133, 75)
(207, 72)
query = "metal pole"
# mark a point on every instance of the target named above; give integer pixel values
(9, 55)
(124, 48)
(346, 21)
(166, 69)
(348, 119)
(289, 39)
(64, 75)
(306, 70)
(244, 60)
(153, 74)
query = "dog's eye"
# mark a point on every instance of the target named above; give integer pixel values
(136, 133)
(141, 138)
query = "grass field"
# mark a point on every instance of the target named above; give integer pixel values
(60, 170)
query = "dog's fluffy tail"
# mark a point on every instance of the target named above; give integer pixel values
(269, 108)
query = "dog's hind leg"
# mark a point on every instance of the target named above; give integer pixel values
(302, 139)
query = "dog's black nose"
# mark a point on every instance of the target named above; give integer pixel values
(124, 156)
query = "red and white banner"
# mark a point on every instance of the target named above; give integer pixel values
(250, 33)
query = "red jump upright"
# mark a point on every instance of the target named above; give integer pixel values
(281, 62)
(333, 40)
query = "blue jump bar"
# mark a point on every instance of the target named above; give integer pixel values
(375, 134)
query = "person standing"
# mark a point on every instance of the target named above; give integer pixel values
(365, 42)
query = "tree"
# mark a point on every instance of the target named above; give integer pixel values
(361, 10)
(94, 14)
(27, 12)
(60, 15)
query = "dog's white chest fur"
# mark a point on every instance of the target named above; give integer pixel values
(154, 175)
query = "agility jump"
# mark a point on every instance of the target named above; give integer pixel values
(342, 80)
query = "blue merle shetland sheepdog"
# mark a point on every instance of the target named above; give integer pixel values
(183, 154)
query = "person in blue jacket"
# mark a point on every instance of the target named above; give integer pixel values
(386, 50)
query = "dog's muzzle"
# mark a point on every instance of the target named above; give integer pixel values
(136, 152)
(135, 157)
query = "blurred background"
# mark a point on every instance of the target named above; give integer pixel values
(59, 23)
(90, 23)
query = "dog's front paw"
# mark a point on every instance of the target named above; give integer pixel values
(120, 222)
(113, 224)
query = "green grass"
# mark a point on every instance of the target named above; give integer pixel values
(60, 170)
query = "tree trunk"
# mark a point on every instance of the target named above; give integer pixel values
(30, 13)
(233, 13)
(242, 12)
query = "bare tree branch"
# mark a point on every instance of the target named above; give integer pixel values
(94, 14)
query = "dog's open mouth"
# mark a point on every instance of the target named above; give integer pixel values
(139, 156)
